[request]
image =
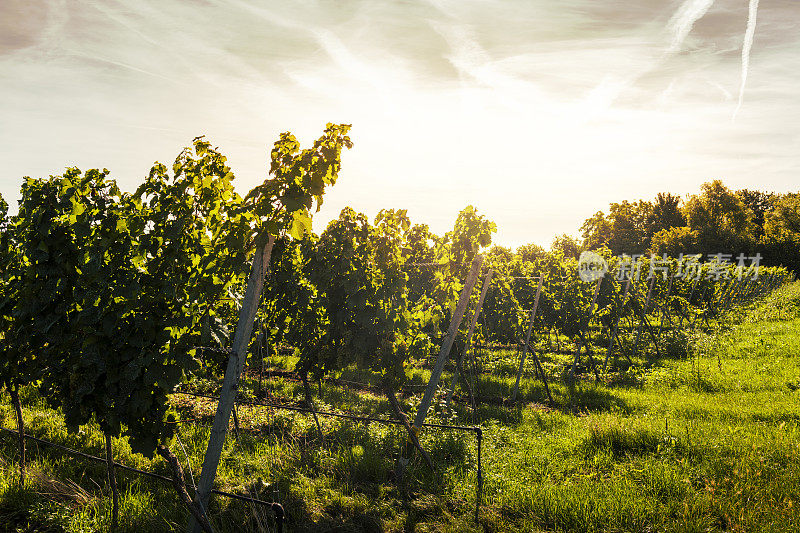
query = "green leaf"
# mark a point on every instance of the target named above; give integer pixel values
(301, 225)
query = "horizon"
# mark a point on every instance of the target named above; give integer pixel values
(537, 114)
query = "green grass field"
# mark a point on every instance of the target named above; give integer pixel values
(699, 440)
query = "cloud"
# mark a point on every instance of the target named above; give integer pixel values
(682, 22)
(537, 112)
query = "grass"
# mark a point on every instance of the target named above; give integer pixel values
(704, 439)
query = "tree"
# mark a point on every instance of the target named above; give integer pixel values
(760, 205)
(630, 228)
(720, 219)
(781, 241)
(665, 213)
(530, 253)
(596, 231)
(567, 245)
(782, 223)
(501, 253)
(627, 228)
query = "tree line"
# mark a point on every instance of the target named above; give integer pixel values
(716, 220)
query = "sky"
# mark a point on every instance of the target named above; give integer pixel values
(539, 113)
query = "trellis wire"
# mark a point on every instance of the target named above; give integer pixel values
(387, 421)
(358, 418)
(152, 475)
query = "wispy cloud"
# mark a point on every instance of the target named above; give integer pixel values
(684, 19)
(538, 112)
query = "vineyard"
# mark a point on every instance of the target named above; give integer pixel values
(204, 357)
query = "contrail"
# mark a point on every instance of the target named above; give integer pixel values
(746, 47)
(680, 25)
(683, 20)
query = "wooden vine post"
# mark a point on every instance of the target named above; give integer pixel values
(723, 302)
(643, 321)
(754, 288)
(13, 391)
(527, 344)
(459, 364)
(643, 317)
(614, 336)
(719, 302)
(436, 374)
(665, 315)
(241, 340)
(581, 342)
(704, 310)
(748, 289)
(112, 482)
(766, 283)
(689, 300)
(736, 294)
